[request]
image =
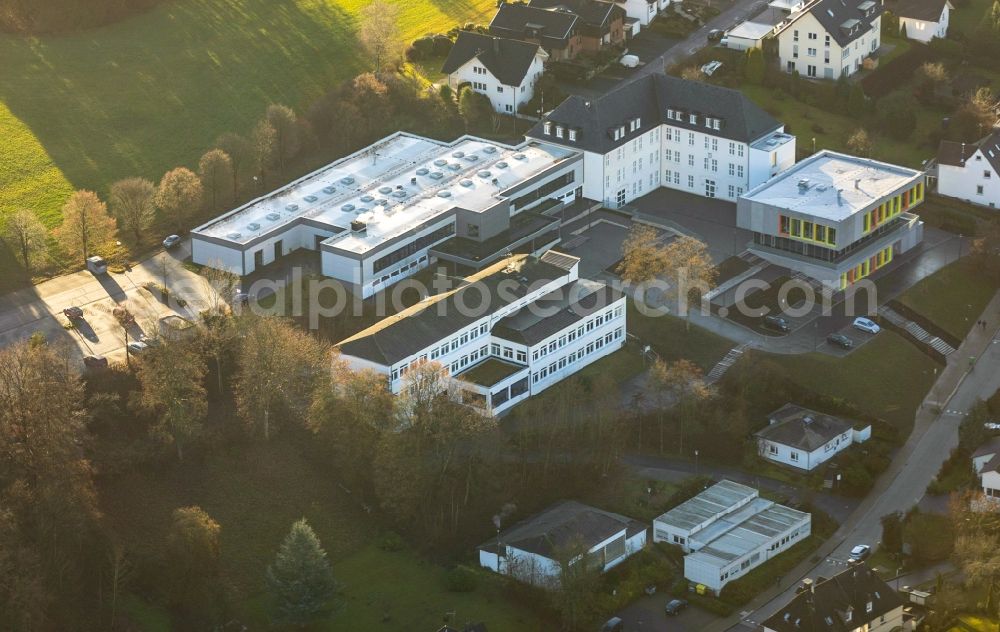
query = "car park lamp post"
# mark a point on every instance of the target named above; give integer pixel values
(696, 463)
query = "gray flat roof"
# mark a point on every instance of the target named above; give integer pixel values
(811, 186)
(745, 531)
(717, 500)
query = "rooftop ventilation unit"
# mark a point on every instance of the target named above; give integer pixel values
(803, 184)
(807, 420)
(520, 156)
(483, 174)
(329, 190)
(233, 235)
(291, 207)
(457, 154)
(382, 202)
(502, 165)
(440, 162)
(422, 171)
(490, 149)
(347, 180)
(472, 157)
(400, 194)
(444, 194)
(253, 226)
(437, 175)
(385, 190)
(273, 217)
(367, 199)
(466, 183)
(358, 226)
(454, 166)
(347, 208)
(310, 198)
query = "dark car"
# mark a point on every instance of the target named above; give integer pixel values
(674, 606)
(776, 323)
(715, 35)
(95, 362)
(73, 313)
(840, 340)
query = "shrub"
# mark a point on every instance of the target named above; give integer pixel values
(461, 579)
(898, 72)
(929, 536)
(817, 128)
(391, 542)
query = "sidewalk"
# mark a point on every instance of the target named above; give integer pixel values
(952, 377)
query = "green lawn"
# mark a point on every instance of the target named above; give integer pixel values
(974, 623)
(672, 338)
(954, 297)
(964, 19)
(152, 92)
(887, 377)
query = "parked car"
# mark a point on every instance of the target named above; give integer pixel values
(859, 553)
(240, 297)
(73, 313)
(715, 35)
(777, 323)
(840, 340)
(710, 68)
(629, 61)
(674, 606)
(867, 325)
(614, 624)
(992, 425)
(136, 347)
(95, 362)
(171, 241)
(97, 265)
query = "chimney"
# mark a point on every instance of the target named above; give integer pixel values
(840, 201)
(857, 183)
(807, 584)
(496, 45)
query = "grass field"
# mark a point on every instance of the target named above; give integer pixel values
(973, 623)
(152, 92)
(672, 339)
(953, 297)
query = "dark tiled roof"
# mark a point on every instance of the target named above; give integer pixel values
(802, 428)
(507, 59)
(648, 99)
(957, 154)
(926, 10)
(442, 315)
(574, 302)
(990, 447)
(565, 524)
(825, 608)
(553, 28)
(596, 13)
(993, 465)
(833, 14)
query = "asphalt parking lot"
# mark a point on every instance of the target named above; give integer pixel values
(647, 615)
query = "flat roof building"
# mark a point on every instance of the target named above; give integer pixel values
(727, 530)
(834, 217)
(375, 215)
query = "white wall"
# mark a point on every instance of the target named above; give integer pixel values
(806, 460)
(690, 173)
(964, 182)
(504, 98)
(640, 9)
(216, 256)
(990, 482)
(924, 31)
(839, 60)
(766, 163)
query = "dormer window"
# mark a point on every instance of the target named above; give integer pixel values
(693, 119)
(869, 607)
(572, 134)
(670, 114)
(547, 128)
(559, 131)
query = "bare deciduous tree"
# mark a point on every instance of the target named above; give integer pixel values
(26, 236)
(241, 154)
(179, 196)
(215, 169)
(379, 33)
(86, 224)
(132, 203)
(171, 377)
(287, 137)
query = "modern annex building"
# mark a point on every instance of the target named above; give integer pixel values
(661, 131)
(509, 331)
(833, 217)
(728, 530)
(377, 215)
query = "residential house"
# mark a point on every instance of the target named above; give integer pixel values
(830, 38)
(640, 12)
(805, 439)
(554, 30)
(971, 171)
(986, 462)
(923, 20)
(505, 333)
(662, 131)
(601, 23)
(393, 208)
(833, 217)
(535, 550)
(504, 70)
(728, 530)
(854, 600)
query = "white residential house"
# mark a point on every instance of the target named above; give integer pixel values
(971, 171)
(805, 439)
(504, 70)
(661, 131)
(830, 38)
(643, 11)
(986, 462)
(534, 550)
(854, 600)
(923, 19)
(728, 530)
(507, 332)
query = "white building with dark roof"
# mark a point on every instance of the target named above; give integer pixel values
(805, 439)
(971, 171)
(833, 217)
(501, 69)
(923, 20)
(728, 530)
(661, 131)
(534, 550)
(829, 38)
(505, 333)
(854, 600)
(377, 215)
(986, 463)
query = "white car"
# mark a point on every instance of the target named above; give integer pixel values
(137, 346)
(859, 553)
(866, 324)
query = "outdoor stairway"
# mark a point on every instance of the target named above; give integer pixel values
(720, 369)
(751, 258)
(808, 280)
(915, 330)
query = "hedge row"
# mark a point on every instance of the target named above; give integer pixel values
(898, 72)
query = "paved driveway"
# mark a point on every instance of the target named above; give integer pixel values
(647, 615)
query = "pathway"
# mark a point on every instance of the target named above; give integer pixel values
(916, 330)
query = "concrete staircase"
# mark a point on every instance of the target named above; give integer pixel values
(915, 330)
(720, 369)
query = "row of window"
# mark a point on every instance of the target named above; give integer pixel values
(893, 207)
(812, 36)
(579, 332)
(866, 267)
(561, 131)
(578, 355)
(446, 347)
(807, 230)
(413, 247)
(692, 118)
(385, 278)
